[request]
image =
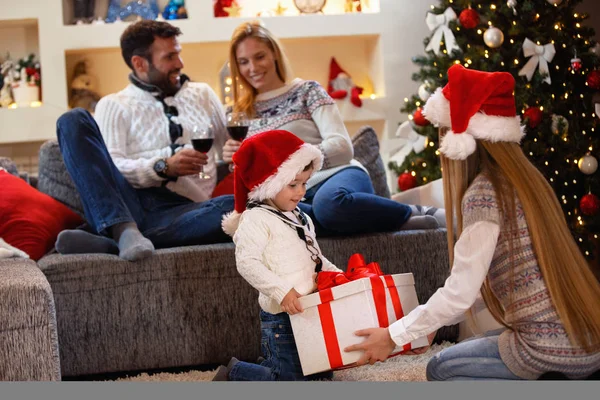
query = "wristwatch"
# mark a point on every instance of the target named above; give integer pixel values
(161, 167)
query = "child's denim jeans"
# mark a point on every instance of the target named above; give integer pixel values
(281, 361)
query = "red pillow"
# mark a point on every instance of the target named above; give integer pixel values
(29, 219)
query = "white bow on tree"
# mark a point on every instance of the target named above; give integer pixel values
(408, 140)
(541, 55)
(440, 24)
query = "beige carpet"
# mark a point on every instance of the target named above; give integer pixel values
(399, 368)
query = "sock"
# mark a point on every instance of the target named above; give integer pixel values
(133, 245)
(420, 222)
(438, 213)
(76, 241)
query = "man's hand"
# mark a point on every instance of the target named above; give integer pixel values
(186, 162)
(377, 346)
(290, 303)
(230, 147)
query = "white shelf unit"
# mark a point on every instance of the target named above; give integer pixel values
(374, 48)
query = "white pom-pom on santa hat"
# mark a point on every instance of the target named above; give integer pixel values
(475, 105)
(264, 164)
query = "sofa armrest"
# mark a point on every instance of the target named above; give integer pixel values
(28, 335)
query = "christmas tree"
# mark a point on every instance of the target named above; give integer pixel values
(545, 45)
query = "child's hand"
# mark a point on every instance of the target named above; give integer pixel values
(290, 303)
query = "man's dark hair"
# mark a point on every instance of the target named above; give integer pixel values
(138, 37)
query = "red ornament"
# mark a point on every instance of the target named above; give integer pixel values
(406, 181)
(593, 79)
(469, 18)
(533, 116)
(419, 119)
(589, 204)
(576, 64)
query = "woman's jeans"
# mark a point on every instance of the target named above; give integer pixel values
(476, 358)
(281, 361)
(346, 203)
(164, 217)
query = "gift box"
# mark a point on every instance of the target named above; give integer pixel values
(332, 315)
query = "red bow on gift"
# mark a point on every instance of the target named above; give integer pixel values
(356, 269)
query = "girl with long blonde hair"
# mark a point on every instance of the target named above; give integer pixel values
(340, 198)
(512, 245)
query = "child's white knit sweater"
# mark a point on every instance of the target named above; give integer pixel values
(273, 259)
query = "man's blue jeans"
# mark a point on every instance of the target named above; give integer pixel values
(281, 361)
(347, 204)
(476, 358)
(164, 217)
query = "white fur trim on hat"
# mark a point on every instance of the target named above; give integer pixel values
(287, 172)
(230, 222)
(495, 128)
(437, 109)
(457, 146)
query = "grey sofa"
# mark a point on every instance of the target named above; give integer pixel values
(85, 314)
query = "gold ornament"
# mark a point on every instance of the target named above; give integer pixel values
(234, 10)
(280, 10)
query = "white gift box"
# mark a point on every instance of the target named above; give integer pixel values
(331, 317)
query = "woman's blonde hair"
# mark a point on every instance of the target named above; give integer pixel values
(573, 288)
(244, 94)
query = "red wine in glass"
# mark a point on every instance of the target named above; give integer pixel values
(202, 145)
(237, 132)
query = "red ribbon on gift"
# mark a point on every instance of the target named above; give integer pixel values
(357, 269)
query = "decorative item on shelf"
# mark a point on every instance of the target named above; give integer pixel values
(560, 125)
(469, 18)
(219, 8)
(353, 6)
(493, 37)
(589, 204)
(554, 2)
(533, 116)
(83, 88)
(512, 4)
(226, 85)
(310, 6)
(419, 119)
(83, 11)
(540, 55)
(588, 164)
(234, 10)
(280, 10)
(593, 79)
(175, 10)
(146, 9)
(340, 84)
(406, 181)
(439, 24)
(7, 72)
(25, 81)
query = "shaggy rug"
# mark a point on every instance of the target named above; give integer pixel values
(399, 368)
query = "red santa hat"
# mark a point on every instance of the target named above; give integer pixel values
(474, 105)
(264, 164)
(334, 71)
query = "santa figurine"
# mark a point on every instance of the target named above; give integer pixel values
(340, 84)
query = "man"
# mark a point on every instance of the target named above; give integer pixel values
(132, 164)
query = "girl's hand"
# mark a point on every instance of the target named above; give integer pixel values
(290, 303)
(377, 346)
(230, 147)
(421, 350)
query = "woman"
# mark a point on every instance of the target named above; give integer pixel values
(340, 197)
(513, 245)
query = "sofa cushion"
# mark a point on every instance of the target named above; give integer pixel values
(29, 219)
(366, 151)
(54, 179)
(9, 166)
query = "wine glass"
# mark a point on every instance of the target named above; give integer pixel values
(202, 140)
(237, 125)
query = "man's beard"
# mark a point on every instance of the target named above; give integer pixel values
(162, 81)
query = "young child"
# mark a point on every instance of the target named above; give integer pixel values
(275, 246)
(513, 245)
